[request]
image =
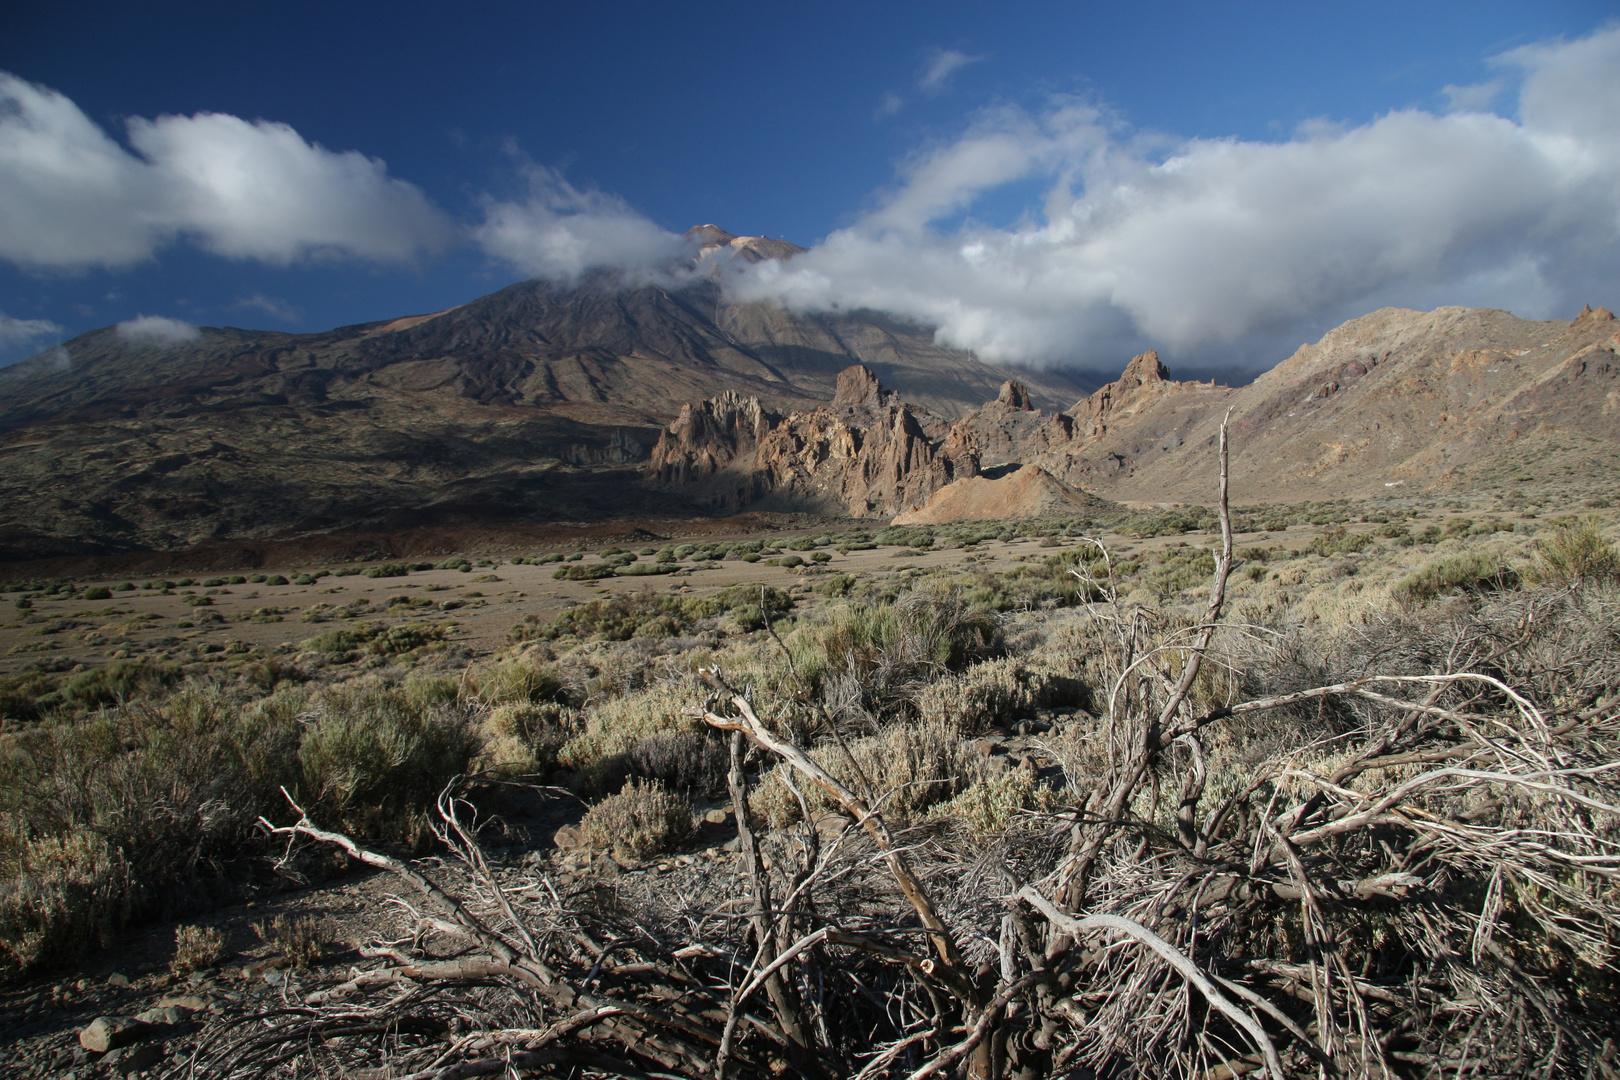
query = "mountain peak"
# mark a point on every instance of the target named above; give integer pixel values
(1145, 368)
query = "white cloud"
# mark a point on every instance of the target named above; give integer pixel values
(889, 106)
(14, 332)
(1475, 97)
(157, 330)
(560, 231)
(1209, 243)
(946, 62)
(71, 196)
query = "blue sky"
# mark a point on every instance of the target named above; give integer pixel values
(982, 168)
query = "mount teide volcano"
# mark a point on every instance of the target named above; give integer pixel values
(534, 403)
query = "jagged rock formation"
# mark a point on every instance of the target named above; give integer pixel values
(1429, 401)
(866, 453)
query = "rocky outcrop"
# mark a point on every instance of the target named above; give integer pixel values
(866, 453)
(1422, 400)
(1029, 491)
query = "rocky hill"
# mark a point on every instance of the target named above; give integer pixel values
(1428, 402)
(537, 402)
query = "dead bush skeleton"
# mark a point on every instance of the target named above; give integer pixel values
(1424, 883)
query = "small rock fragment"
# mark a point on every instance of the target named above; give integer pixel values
(106, 1033)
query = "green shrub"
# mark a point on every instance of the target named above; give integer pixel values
(98, 592)
(1465, 571)
(372, 760)
(593, 572)
(1575, 552)
(118, 681)
(257, 579)
(196, 948)
(644, 819)
(455, 563)
(60, 897)
(275, 579)
(135, 811)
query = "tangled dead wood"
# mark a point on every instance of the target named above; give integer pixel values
(1427, 887)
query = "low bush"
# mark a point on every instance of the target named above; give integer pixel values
(371, 760)
(98, 592)
(60, 896)
(1465, 571)
(298, 939)
(1576, 552)
(644, 819)
(196, 948)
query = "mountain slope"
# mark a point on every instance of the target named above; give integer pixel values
(1429, 402)
(534, 402)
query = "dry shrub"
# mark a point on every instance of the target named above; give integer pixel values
(992, 806)
(372, 760)
(904, 769)
(523, 679)
(524, 738)
(60, 897)
(197, 948)
(996, 691)
(614, 727)
(1467, 570)
(644, 819)
(1575, 552)
(693, 762)
(298, 939)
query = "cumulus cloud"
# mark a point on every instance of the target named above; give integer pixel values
(71, 196)
(1199, 243)
(559, 231)
(157, 330)
(946, 62)
(15, 332)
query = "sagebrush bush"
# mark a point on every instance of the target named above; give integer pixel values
(299, 939)
(694, 762)
(903, 770)
(372, 760)
(643, 819)
(59, 896)
(1576, 552)
(612, 728)
(1467, 570)
(196, 948)
(523, 738)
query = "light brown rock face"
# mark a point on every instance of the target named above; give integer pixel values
(1427, 401)
(1027, 492)
(866, 453)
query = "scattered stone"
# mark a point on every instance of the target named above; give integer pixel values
(568, 838)
(117, 979)
(717, 816)
(830, 826)
(140, 1058)
(106, 1033)
(167, 1015)
(189, 1002)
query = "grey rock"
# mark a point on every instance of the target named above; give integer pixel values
(106, 1033)
(166, 1015)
